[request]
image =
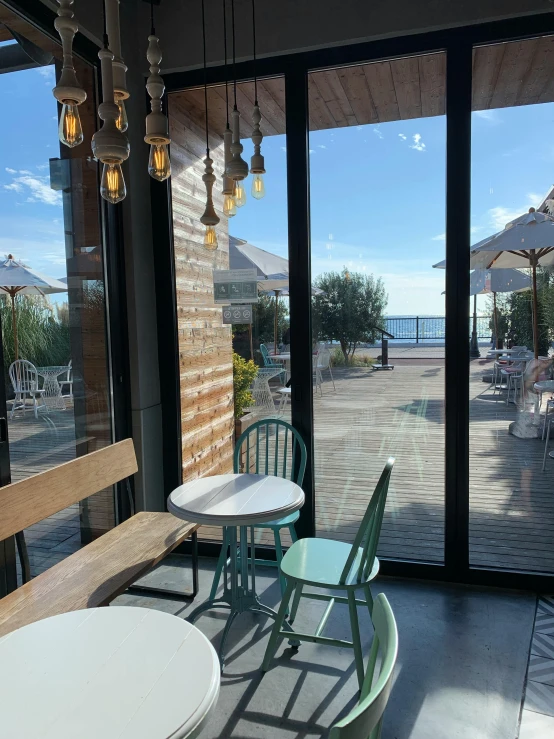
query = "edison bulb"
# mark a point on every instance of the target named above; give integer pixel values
(159, 166)
(122, 122)
(210, 238)
(112, 185)
(70, 130)
(239, 194)
(258, 186)
(229, 205)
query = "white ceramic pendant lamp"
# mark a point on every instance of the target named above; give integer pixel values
(110, 144)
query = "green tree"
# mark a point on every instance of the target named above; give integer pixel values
(349, 310)
(263, 326)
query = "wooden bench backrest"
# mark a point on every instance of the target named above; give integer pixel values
(31, 500)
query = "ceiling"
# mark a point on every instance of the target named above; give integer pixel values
(504, 75)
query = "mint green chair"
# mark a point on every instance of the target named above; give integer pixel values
(333, 565)
(272, 360)
(268, 447)
(366, 719)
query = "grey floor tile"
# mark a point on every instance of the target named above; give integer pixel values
(539, 698)
(544, 623)
(541, 669)
(543, 645)
(536, 726)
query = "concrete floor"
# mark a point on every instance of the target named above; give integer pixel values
(461, 668)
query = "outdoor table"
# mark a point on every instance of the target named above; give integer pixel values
(52, 388)
(118, 672)
(285, 357)
(236, 501)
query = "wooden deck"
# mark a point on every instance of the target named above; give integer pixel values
(370, 416)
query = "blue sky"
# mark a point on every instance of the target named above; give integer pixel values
(377, 191)
(378, 196)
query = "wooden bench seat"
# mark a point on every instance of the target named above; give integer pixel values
(103, 569)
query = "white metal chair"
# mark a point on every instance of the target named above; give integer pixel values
(285, 393)
(68, 380)
(321, 362)
(24, 379)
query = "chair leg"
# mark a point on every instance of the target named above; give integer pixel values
(220, 563)
(358, 656)
(369, 599)
(279, 553)
(332, 378)
(293, 534)
(275, 638)
(546, 446)
(295, 602)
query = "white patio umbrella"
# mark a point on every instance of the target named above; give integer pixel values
(525, 241)
(16, 279)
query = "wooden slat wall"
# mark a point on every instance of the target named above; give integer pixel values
(205, 349)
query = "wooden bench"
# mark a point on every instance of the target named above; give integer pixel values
(103, 569)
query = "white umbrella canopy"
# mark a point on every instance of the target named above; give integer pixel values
(17, 279)
(525, 241)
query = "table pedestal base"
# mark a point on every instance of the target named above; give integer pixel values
(239, 586)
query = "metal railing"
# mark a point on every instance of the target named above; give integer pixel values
(430, 328)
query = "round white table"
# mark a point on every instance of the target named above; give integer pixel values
(117, 672)
(236, 501)
(53, 397)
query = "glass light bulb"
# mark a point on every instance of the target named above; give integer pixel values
(239, 194)
(258, 186)
(229, 205)
(70, 130)
(159, 166)
(112, 185)
(210, 238)
(122, 122)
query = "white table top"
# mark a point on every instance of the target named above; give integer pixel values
(125, 673)
(285, 356)
(235, 500)
(544, 386)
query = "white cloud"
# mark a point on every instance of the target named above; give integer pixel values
(11, 171)
(312, 151)
(284, 148)
(48, 73)
(490, 116)
(439, 237)
(402, 136)
(25, 171)
(500, 215)
(377, 131)
(321, 146)
(418, 144)
(36, 188)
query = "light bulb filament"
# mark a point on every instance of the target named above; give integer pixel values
(210, 238)
(70, 130)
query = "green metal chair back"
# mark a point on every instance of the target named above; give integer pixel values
(269, 360)
(366, 719)
(271, 447)
(370, 529)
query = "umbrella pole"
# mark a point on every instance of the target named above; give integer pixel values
(275, 323)
(533, 260)
(495, 319)
(251, 344)
(14, 327)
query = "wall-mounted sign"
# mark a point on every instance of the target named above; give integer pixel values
(237, 314)
(235, 286)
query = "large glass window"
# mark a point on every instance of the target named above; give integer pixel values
(377, 179)
(511, 505)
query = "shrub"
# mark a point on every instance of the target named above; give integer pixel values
(244, 373)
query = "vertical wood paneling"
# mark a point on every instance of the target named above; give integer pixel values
(205, 349)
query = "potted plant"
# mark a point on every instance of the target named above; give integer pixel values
(244, 373)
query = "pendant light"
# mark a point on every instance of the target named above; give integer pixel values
(237, 169)
(257, 164)
(229, 205)
(157, 125)
(68, 92)
(209, 218)
(119, 69)
(109, 145)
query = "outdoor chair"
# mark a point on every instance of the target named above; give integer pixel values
(68, 380)
(365, 720)
(322, 362)
(268, 447)
(24, 379)
(270, 361)
(333, 565)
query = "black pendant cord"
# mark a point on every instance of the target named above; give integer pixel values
(234, 58)
(105, 26)
(254, 53)
(205, 77)
(225, 62)
(152, 27)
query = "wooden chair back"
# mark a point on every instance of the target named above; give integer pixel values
(369, 530)
(366, 719)
(29, 501)
(271, 447)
